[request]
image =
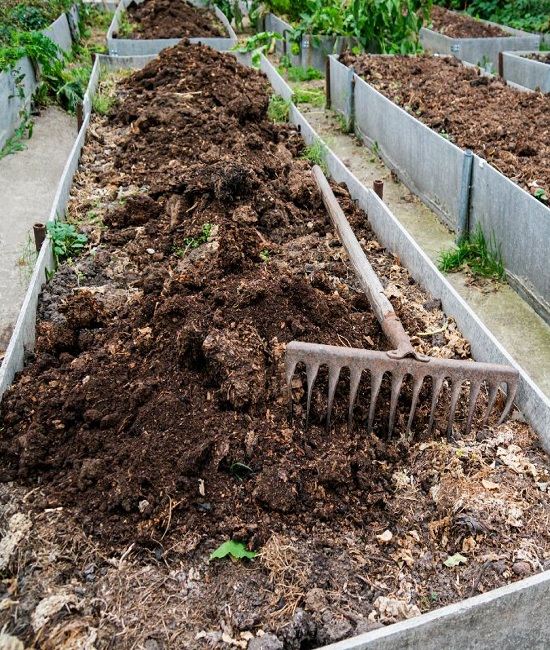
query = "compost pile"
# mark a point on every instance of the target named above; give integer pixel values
(151, 424)
(167, 19)
(541, 57)
(507, 127)
(456, 25)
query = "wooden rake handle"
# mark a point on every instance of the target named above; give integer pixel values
(370, 283)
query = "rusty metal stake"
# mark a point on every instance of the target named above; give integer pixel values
(378, 187)
(39, 230)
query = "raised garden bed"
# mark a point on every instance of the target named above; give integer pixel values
(312, 50)
(165, 24)
(527, 69)
(471, 40)
(431, 161)
(15, 94)
(158, 367)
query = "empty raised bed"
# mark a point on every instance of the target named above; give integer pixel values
(160, 23)
(161, 429)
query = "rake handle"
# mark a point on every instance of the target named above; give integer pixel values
(382, 307)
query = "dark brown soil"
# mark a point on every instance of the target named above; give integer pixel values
(455, 25)
(169, 19)
(507, 127)
(151, 423)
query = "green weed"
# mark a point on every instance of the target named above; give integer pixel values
(316, 153)
(299, 73)
(67, 242)
(312, 96)
(260, 43)
(16, 142)
(475, 255)
(278, 109)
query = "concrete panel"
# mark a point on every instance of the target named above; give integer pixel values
(528, 73)
(508, 618)
(478, 51)
(60, 33)
(521, 227)
(278, 84)
(340, 89)
(12, 105)
(144, 47)
(427, 163)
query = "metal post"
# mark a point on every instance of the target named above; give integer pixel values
(328, 98)
(463, 225)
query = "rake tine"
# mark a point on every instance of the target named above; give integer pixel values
(376, 381)
(333, 376)
(511, 388)
(397, 381)
(290, 368)
(418, 381)
(311, 373)
(474, 392)
(437, 383)
(355, 378)
(455, 393)
(493, 390)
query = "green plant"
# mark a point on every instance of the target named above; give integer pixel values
(299, 73)
(313, 96)
(25, 262)
(278, 109)
(15, 143)
(233, 548)
(237, 470)
(541, 195)
(316, 153)
(195, 242)
(264, 255)
(260, 43)
(476, 255)
(66, 240)
(231, 10)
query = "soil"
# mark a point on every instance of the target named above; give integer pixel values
(151, 423)
(455, 25)
(543, 57)
(167, 19)
(507, 127)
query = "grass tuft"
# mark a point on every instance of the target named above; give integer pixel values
(475, 255)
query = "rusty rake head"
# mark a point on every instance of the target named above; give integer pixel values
(377, 364)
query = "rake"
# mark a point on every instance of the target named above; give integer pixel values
(400, 362)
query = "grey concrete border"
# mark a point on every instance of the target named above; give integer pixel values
(11, 104)
(476, 623)
(479, 50)
(528, 73)
(432, 167)
(144, 47)
(507, 618)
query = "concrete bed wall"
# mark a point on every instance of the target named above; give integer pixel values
(478, 50)
(12, 105)
(432, 167)
(528, 73)
(144, 47)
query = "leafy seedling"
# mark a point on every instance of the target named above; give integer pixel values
(264, 255)
(233, 548)
(66, 240)
(260, 43)
(238, 470)
(455, 560)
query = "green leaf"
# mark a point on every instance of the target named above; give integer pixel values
(231, 547)
(455, 560)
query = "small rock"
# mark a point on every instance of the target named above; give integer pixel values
(521, 568)
(151, 251)
(144, 507)
(8, 642)
(265, 642)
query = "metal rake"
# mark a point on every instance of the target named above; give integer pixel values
(400, 362)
